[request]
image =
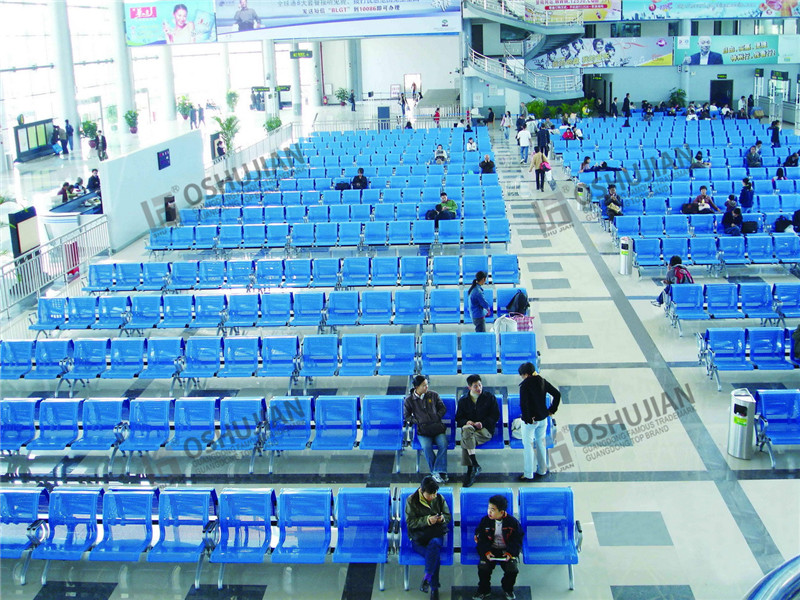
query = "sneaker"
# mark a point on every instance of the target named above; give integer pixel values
(425, 586)
(511, 596)
(437, 478)
(540, 476)
(523, 478)
(655, 302)
(482, 596)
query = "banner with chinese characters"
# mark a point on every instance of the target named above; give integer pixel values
(169, 22)
(286, 19)
(593, 10)
(640, 10)
(726, 50)
(590, 53)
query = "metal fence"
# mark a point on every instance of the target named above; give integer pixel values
(64, 257)
(525, 11)
(273, 142)
(538, 81)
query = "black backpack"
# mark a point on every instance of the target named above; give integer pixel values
(781, 223)
(518, 304)
(342, 185)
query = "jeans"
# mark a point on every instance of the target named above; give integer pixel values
(664, 295)
(480, 324)
(70, 141)
(432, 553)
(534, 434)
(733, 230)
(506, 130)
(439, 463)
(523, 153)
(485, 570)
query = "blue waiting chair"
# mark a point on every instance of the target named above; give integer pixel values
(517, 347)
(145, 313)
(17, 423)
(479, 353)
(325, 272)
(51, 314)
(127, 524)
(127, 358)
(768, 348)
(406, 555)
(53, 357)
(304, 521)
(112, 312)
(722, 300)
(359, 355)
(89, 361)
(355, 271)
(101, 278)
(242, 312)
(58, 424)
(341, 308)
(320, 356)
(398, 354)
(240, 356)
(155, 277)
(446, 270)
(409, 307)
(725, 350)
(269, 273)
(376, 307)
(336, 422)
(242, 426)
(164, 359)
(279, 357)
(202, 356)
(194, 425)
(148, 429)
(275, 310)
(777, 422)
(81, 313)
(102, 426)
(505, 269)
(23, 530)
(686, 303)
(16, 358)
(445, 307)
(288, 425)
(308, 309)
(757, 302)
(440, 353)
(177, 312)
(384, 271)
(382, 425)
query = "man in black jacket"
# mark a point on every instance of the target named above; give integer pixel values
(543, 140)
(477, 415)
(533, 391)
(498, 540)
(425, 409)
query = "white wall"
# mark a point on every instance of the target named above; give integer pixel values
(492, 46)
(131, 182)
(334, 64)
(384, 61)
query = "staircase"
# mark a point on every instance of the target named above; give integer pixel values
(535, 19)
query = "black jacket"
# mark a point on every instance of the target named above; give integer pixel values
(484, 411)
(512, 535)
(428, 409)
(533, 398)
(543, 139)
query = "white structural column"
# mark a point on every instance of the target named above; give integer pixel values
(126, 98)
(297, 98)
(684, 29)
(224, 52)
(353, 57)
(270, 76)
(168, 111)
(6, 128)
(64, 66)
(315, 99)
(466, 47)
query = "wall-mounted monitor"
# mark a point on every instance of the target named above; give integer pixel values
(163, 159)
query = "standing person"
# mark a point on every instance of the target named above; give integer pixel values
(775, 138)
(490, 118)
(102, 145)
(533, 390)
(70, 130)
(614, 112)
(524, 139)
(425, 409)
(626, 106)
(523, 110)
(477, 415)
(201, 115)
(352, 100)
(414, 91)
(750, 105)
(403, 104)
(505, 123)
(62, 138)
(746, 195)
(538, 161)
(193, 117)
(498, 540)
(479, 308)
(220, 148)
(676, 274)
(427, 518)
(543, 140)
(436, 117)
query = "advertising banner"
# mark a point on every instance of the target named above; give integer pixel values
(607, 52)
(593, 10)
(169, 22)
(726, 50)
(640, 10)
(789, 48)
(286, 19)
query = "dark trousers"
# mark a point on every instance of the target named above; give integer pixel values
(664, 295)
(539, 180)
(432, 553)
(485, 570)
(480, 324)
(64, 146)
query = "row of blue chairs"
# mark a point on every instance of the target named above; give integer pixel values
(766, 208)
(721, 252)
(777, 419)
(267, 180)
(187, 361)
(234, 311)
(189, 425)
(238, 527)
(763, 348)
(338, 213)
(351, 271)
(686, 225)
(771, 304)
(329, 235)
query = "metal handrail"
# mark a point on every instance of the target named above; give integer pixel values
(517, 9)
(522, 47)
(548, 83)
(782, 583)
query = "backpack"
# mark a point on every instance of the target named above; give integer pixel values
(431, 215)
(342, 185)
(749, 227)
(682, 275)
(518, 304)
(781, 223)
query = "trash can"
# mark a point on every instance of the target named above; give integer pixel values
(625, 255)
(741, 427)
(170, 210)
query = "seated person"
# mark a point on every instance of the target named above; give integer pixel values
(486, 165)
(603, 166)
(440, 155)
(676, 274)
(699, 163)
(612, 202)
(408, 125)
(673, 111)
(586, 165)
(780, 175)
(577, 132)
(648, 113)
(93, 185)
(359, 181)
(427, 516)
(498, 540)
(732, 222)
(439, 213)
(80, 189)
(704, 202)
(691, 115)
(568, 135)
(796, 220)
(792, 160)
(725, 111)
(477, 415)
(64, 192)
(753, 158)
(471, 145)
(447, 202)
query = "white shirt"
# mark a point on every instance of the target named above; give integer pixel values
(524, 137)
(498, 542)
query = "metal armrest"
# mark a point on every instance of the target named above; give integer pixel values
(32, 319)
(180, 364)
(121, 431)
(578, 536)
(210, 533)
(36, 531)
(224, 315)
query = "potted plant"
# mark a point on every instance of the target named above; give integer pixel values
(228, 128)
(89, 130)
(272, 123)
(342, 95)
(111, 115)
(132, 119)
(677, 97)
(184, 107)
(231, 99)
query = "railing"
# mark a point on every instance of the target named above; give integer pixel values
(421, 119)
(272, 142)
(508, 8)
(547, 83)
(522, 47)
(62, 257)
(782, 583)
(525, 11)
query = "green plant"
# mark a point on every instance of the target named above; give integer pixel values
(132, 118)
(342, 95)
(272, 123)
(111, 113)
(539, 109)
(677, 97)
(89, 129)
(184, 106)
(231, 99)
(228, 128)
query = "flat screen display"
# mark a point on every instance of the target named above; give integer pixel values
(163, 159)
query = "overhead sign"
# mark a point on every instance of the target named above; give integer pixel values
(641, 10)
(607, 52)
(726, 49)
(779, 75)
(593, 10)
(300, 54)
(168, 22)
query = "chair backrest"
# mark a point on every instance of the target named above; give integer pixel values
(16, 353)
(517, 347)
(779, 406)
(203, 352)
(722, 295)
(99, 416)
(547, 519)
(17, 422)
(241, 351)
(474, 503)
(164, 351)
(72, 515)
(398, 350)
(767, 342)
(239, 422)
(279, 350)
(49, 353)
(304, 519)
(58, 415)
(321, 351)
(726, 343)
(128, 515)
(183, 513)
(336, 422)
(149, 419)
(382, 422)
(194, 424)
(51, 311)
(19, 507)
(440, 353)
(359, 351)
(245, 522)
(363, 517)
(128, 352)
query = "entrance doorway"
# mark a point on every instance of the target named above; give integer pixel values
(409, 79)
(721, 93)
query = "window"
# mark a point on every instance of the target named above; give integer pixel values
(695, 28)
(591, 30)
(717, 27)
(673, 29)
(626, 30)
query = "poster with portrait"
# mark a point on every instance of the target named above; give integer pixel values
(170, 22)
(726, 50)
(640, 10)
(289, 19)
(590, 53)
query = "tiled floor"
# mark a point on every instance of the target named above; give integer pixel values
(641, 438)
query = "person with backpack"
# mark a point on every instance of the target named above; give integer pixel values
(479, 308)
(676, 274)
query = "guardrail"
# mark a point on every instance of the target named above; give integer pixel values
(522, 47)
(782, 583)
(62, 257)
(546, 83)
(524, 11)
(272, 142)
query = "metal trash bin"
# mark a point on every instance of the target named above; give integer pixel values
(741, 427)
(625, 255)
(170, 209)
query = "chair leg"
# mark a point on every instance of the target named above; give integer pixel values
(716, 376)
(397, 461)
(44, 572)
(381, 576)
(23, 576)
(128, 463)
(418, 453)
(252, 461)
(219, 577)
(571, 577)
(58, 386)
(271, 460)
(111, 459)
(406, 576)
(197, 572)
(771, 455)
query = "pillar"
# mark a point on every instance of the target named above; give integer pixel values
(6, 132)
(125, 91)
(466, 48)
(226, 67)
(270, 76)
(297, 99)
(685, 29)
(168, 99)
(64, 64)
(353, 58)
(315, 99)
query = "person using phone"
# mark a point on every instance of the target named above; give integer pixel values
(498, 540)
(427, 516)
